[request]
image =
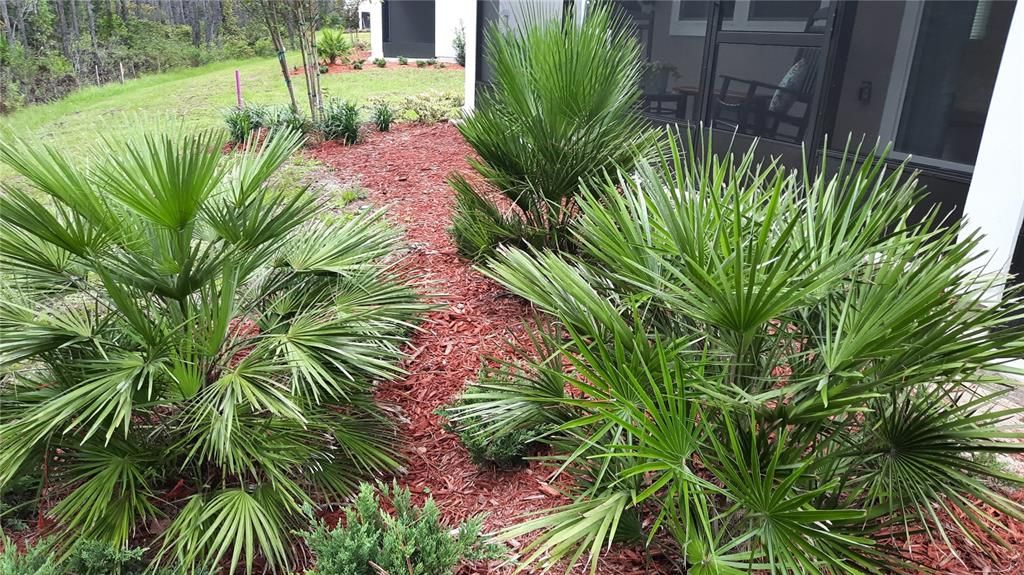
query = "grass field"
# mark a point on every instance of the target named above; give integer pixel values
(198, 96)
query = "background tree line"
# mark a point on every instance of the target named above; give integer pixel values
(51, 47)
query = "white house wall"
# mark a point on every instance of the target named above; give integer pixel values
(449, 15)
(995, 202)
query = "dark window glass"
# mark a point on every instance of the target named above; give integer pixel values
(777, 16)
(701, 9)
(921, 75)
(783, 9)
(958, 51)
(672, 47)
(765, 91)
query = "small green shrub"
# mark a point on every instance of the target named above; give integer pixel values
(332, 45)
(357, 65)
(323, 68)
(383, 114)
(97, 558)
(431, 61)
(505, 448)
(421, 63)
(441, 65)
(459, 43)
(340, 121)
(351, 194)
(242, 122)
(35, 560)
(432, 107)
(410, 541)
(403, 61)
(380, 62)
(283, 117)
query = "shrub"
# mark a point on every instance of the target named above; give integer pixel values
(98, 558)
(433, 107)
(421, 63)
(323, 68)
(332, 45)
(340, 121)
(431, 61)
(36, 559)
(781, 370)
(548, 122)
(383, 115)
(380, 62)
(503, 448)
(357, 66)
(459, 43)
(441, 65)
(284, 118)
(403, 61)
(242, 122)
(410, 540)
(200, 346)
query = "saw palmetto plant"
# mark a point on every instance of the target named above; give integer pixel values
(563, 106)
(189, 350)
(769, 370)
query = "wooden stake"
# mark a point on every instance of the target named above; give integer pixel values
(121, 65)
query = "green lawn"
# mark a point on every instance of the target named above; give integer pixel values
(198, 96)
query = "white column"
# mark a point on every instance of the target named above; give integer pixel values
(995, 202)
(376, 29)
(469, 21)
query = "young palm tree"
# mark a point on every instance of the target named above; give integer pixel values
(563, 106)
(189, 346)
(781, 370)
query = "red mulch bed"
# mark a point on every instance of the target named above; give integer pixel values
(405, 171)
(341, 68)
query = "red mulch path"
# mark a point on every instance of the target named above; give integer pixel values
(405, 171)
(339, 68)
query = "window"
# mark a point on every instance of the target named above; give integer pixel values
(765, 91)
(775, 16)
(921, 75)
(673, 52)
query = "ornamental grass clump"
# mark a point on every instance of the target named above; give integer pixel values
(769, 370)
(187, 346)
(564, 107)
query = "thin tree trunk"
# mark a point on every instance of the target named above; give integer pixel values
(270, 16)
(194, 20)
(75, 30)
(62, 29)
(7, 29)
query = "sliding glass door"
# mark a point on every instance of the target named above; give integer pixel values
(767, 65)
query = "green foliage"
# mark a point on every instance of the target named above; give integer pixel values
(433, 107)
(776, 370)
(562, 110)
(332, 45)
(383, 114)
(380, 62)
(504, 448)
(430, 61)
(196, 343)
(409, 539)
(18, 502)
(243, 122)
(357, 65)
(340, 121)
(99, 558)
(36, 559)
(459, 43)
(403, 61)
(284, 118)
(421, 63)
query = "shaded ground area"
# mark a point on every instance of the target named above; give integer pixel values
(405, 171)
